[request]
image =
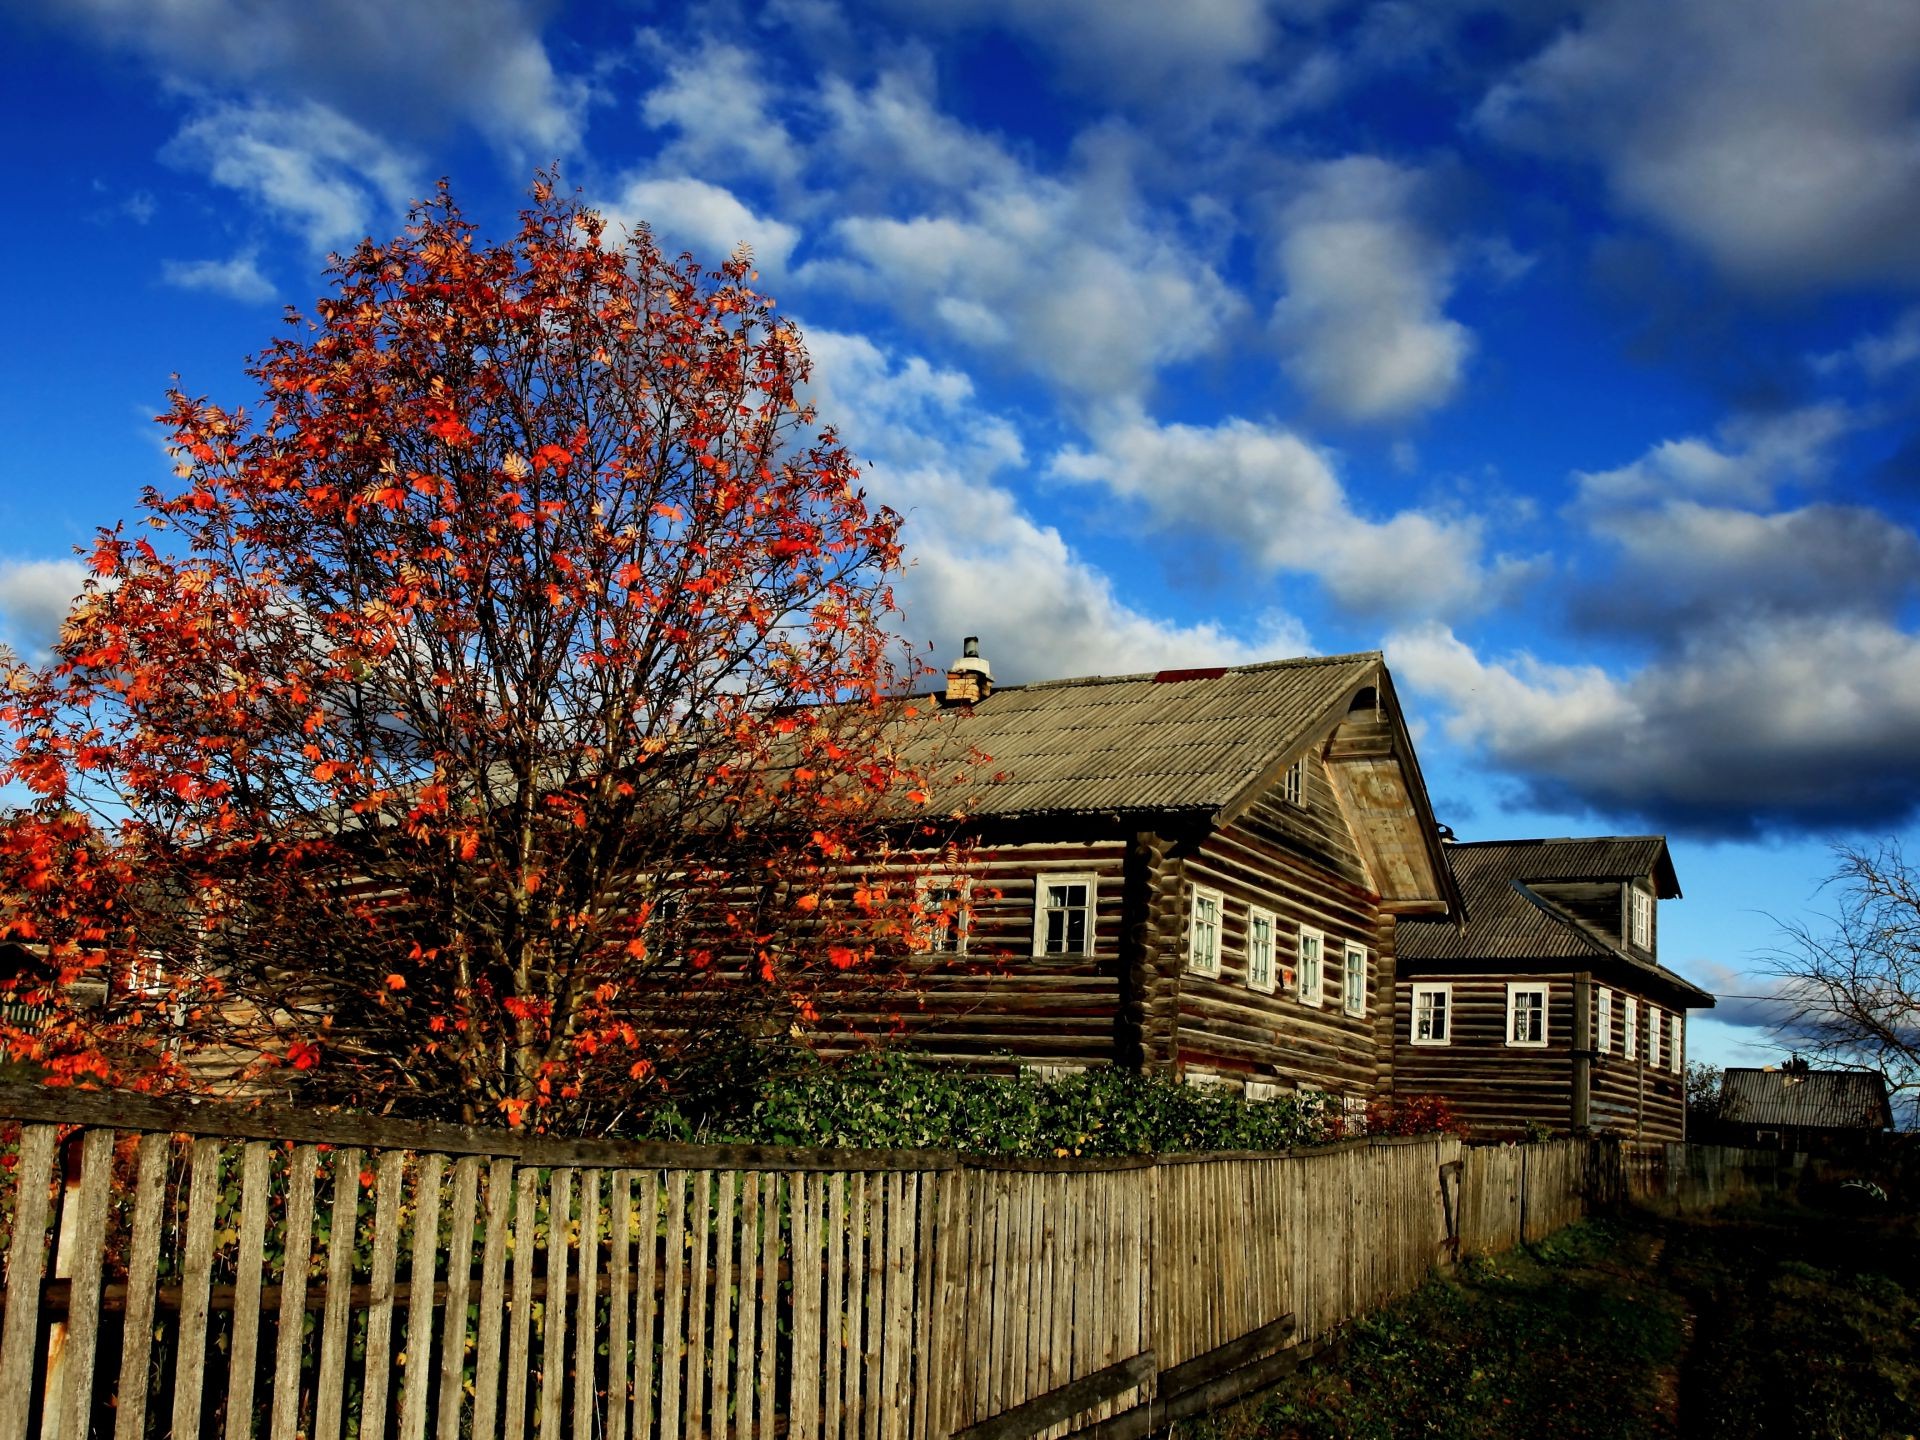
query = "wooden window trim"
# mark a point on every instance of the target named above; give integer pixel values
(1293, 783)
(1517, 988)
(1639, 918)
(1197, 963)
(1040, 912)
(1354, 1001)
(1255, 915)
(1444, 989)
(1654, 1037)
(1630, 1013)
(1602, 1020)
(1319, 996)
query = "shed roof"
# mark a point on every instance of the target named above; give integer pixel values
(1166, 741)
(1817, 1099)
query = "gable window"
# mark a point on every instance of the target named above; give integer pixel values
(943, 905)
(1260, 950)
(1312, 976)
(1293, 785)
(1203, 932)
(1063, 915)
(1353, 980)
(1640, 909)
(1602, 1020)
(1526, 1014)
(1432, 1015)
(1630, 1012)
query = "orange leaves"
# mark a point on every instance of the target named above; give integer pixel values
(303, 1055)
(553, 457)
(396, 981)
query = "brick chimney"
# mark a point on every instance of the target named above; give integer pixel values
(969, 679)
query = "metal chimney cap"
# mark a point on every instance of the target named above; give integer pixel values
(970, 659)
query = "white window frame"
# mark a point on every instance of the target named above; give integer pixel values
(1203, 941)
(961, 921)
(1293, 783)
(1200, 1077)
(1354, 964)
(1262, 1090)
(1428, 990)
(1317, 995)
(1515, 989)
(1630, 1012)
(1675, 1037)
(1654, 1036)
(1640, 917)
(1047, 1073)
(1602, 1020)
(1041, 910)
(1257, 979)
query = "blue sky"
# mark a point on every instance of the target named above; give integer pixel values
(1568, 352)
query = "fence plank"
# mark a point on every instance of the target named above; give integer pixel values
(333, 1332)
(426, 1246)
(645, 1281)
(619, 1300)
(246, 1297)
(672, 1311)
(196, 1272)
(750, 1282)
(453, 1329)
(726, 1224)
(26, 1266)
(513, 1417)
(553, 1312)
(769, 1299)
(586, 1330)
(388, 1176)
(701, 1215)
(143, 1264)
(83, 1318)
(803, 1408)
(493, 1284)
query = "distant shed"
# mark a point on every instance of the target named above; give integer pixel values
(1798, 1109)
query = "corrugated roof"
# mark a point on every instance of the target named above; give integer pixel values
(1188, 740)
(1818, 1099)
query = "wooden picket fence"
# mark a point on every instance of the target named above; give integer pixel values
(223, 1274)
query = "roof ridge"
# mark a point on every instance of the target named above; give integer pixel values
(1292, 662)
(1555, 840)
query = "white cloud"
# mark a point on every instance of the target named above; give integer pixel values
(980, 564)
(238, 277)
(1795, 724)
(311, 168)
(1272, 494)
(1752, 458)
(1363, 321)
(1880, 354)
(1776, 136)
(706, 219)
(722, 114)
(414, 67)
(35, 596)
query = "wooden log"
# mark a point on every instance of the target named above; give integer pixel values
(1031, 1417)
(331, 1386)
(388, 1177)
(143, 1265)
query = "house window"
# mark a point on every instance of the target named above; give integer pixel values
(1641, 905)
(1630, 1012)
(1063, 915)
(1203, 932)
(1293, 785)
(1353, 980)
(1678, 1022)
(943, 906)
(1200, 1078)
(1260, 950)
(1603, 1020)
(1527, 1015)
(1262, 1090)
(1432, 1014)
(1311, 976)
(1656, 1032)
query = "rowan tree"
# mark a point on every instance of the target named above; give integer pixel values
(486, 720)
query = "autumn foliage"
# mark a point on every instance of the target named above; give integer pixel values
(489, 714)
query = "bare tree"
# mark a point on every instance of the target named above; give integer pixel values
(1851, 980)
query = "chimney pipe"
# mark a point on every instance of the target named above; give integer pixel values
(970, 678)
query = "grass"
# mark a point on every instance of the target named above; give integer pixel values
(1785, 1323)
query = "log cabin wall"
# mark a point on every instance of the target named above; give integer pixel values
(1301, 863)
(1497, 1088)
(1629, 1096)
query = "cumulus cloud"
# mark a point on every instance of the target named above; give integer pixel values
(706, 219)
(980, 564)
(238, 277)
(1748, 462)
(721, 112)
(1362, 323)
(1777, 137)
(311, 168)
(1279, 499)
(416, 67)
(1799, 725)
(1879, 354)
(35, 596)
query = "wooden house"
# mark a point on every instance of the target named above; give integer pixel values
(1550, 1006)
(1797, 1108)
(1196, 873)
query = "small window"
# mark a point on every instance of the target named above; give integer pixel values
(1432, 1015)
(1656, 1032)
(1674, 1051)
(1312, 974)
(1630, 1013)
(943, 913)
(664, 932)
(1260, 950)
(1201, 1078)
(1262, 1090)
(1063, 915)
(1293, 785)
(1046, 1074)
(1353, 980)
(1527, 1015)
(1641, 904)
(1203, 932)
(1602, 1020)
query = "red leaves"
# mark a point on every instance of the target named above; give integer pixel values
(303, 1055)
